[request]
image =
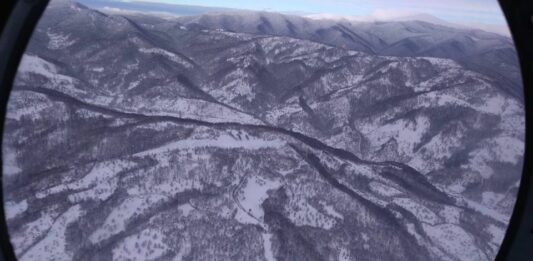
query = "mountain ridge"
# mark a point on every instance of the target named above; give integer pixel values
(158, 128)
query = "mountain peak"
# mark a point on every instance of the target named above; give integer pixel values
(70, 4)
(381, 17)
(421, 17)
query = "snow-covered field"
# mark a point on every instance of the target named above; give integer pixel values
(205, 138)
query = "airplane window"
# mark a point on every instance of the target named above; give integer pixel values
(277, 130)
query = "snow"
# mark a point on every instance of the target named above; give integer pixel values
(454, 241)
(181, 107)
(412, 230)
(186, 209)
(508, 149)
(244, 217)
(301, 213)
(349, 80)
(490, 198)
(13, 209)
(441, 62)
(276, 114)
(10, 166)
(503, 149)
(383, 190)
(235, 84)
(100, 192)
(18, 105)
(133, 84)
(171, 187)
(331, 211)
(371, 197)
(443, 99)
(439, 148)
(406, 132)
(101, 182)
(120, 216)
(184, 250)
(149, 244)
(486, 211)
(187, 161)
(365, 237)
(411, 133)
(254, 193)
(223, 141)
(59, 41)
(420, 211)
(494, 105)
(32, 231)
(456, 188)
(172, 56)
(497, 234)
(362, 170)
(37, 65)
(450, 214)
(54, 245)
(98, 176)
(267, 246)
(344, 255)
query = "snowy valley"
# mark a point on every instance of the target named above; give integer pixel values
(260, 136)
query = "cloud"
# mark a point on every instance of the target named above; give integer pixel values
(460, 11)
(114, 10)
(390, 14)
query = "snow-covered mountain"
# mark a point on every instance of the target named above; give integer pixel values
(260, 136)
(487, 53)
(410, 16)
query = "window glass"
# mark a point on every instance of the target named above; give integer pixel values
(277, 130)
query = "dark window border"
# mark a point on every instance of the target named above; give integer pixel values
(518, 240)
(18, 18)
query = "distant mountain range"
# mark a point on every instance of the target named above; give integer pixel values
(411, 35)
(152, 7)
(243, 135)
(187, 10)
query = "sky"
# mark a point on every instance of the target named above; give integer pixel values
(456, 11)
